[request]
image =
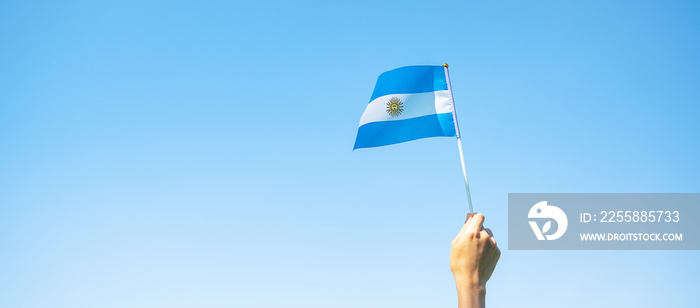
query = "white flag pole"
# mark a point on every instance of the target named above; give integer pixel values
(459, 140)
(464, 172)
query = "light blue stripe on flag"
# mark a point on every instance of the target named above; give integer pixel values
(376, 134)
(408, 103)
(410, 79)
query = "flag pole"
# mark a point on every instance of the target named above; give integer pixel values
(459, 141)
(464, 172)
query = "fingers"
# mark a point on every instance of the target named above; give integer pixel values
(494, 258)
(475, 224)
(493, 239)
(492, 264)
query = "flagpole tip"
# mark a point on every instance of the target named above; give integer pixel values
(445, 65)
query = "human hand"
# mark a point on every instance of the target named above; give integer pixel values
(473, 258)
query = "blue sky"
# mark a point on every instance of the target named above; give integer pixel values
(170, 154)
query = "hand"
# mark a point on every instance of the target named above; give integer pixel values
(472, 260)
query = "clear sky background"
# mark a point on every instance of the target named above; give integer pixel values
(199, 154)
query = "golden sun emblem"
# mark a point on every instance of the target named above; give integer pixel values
(394, 107)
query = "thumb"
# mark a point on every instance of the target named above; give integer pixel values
(466, 223)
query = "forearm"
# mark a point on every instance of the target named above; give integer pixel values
(471, 297)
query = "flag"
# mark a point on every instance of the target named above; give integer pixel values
(408, 103)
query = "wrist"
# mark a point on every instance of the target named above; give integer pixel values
(469, 282)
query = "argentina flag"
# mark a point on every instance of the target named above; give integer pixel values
(408, 103)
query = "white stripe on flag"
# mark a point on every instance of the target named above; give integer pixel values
(414, 105)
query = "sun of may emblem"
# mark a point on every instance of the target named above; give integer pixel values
(394, 107)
